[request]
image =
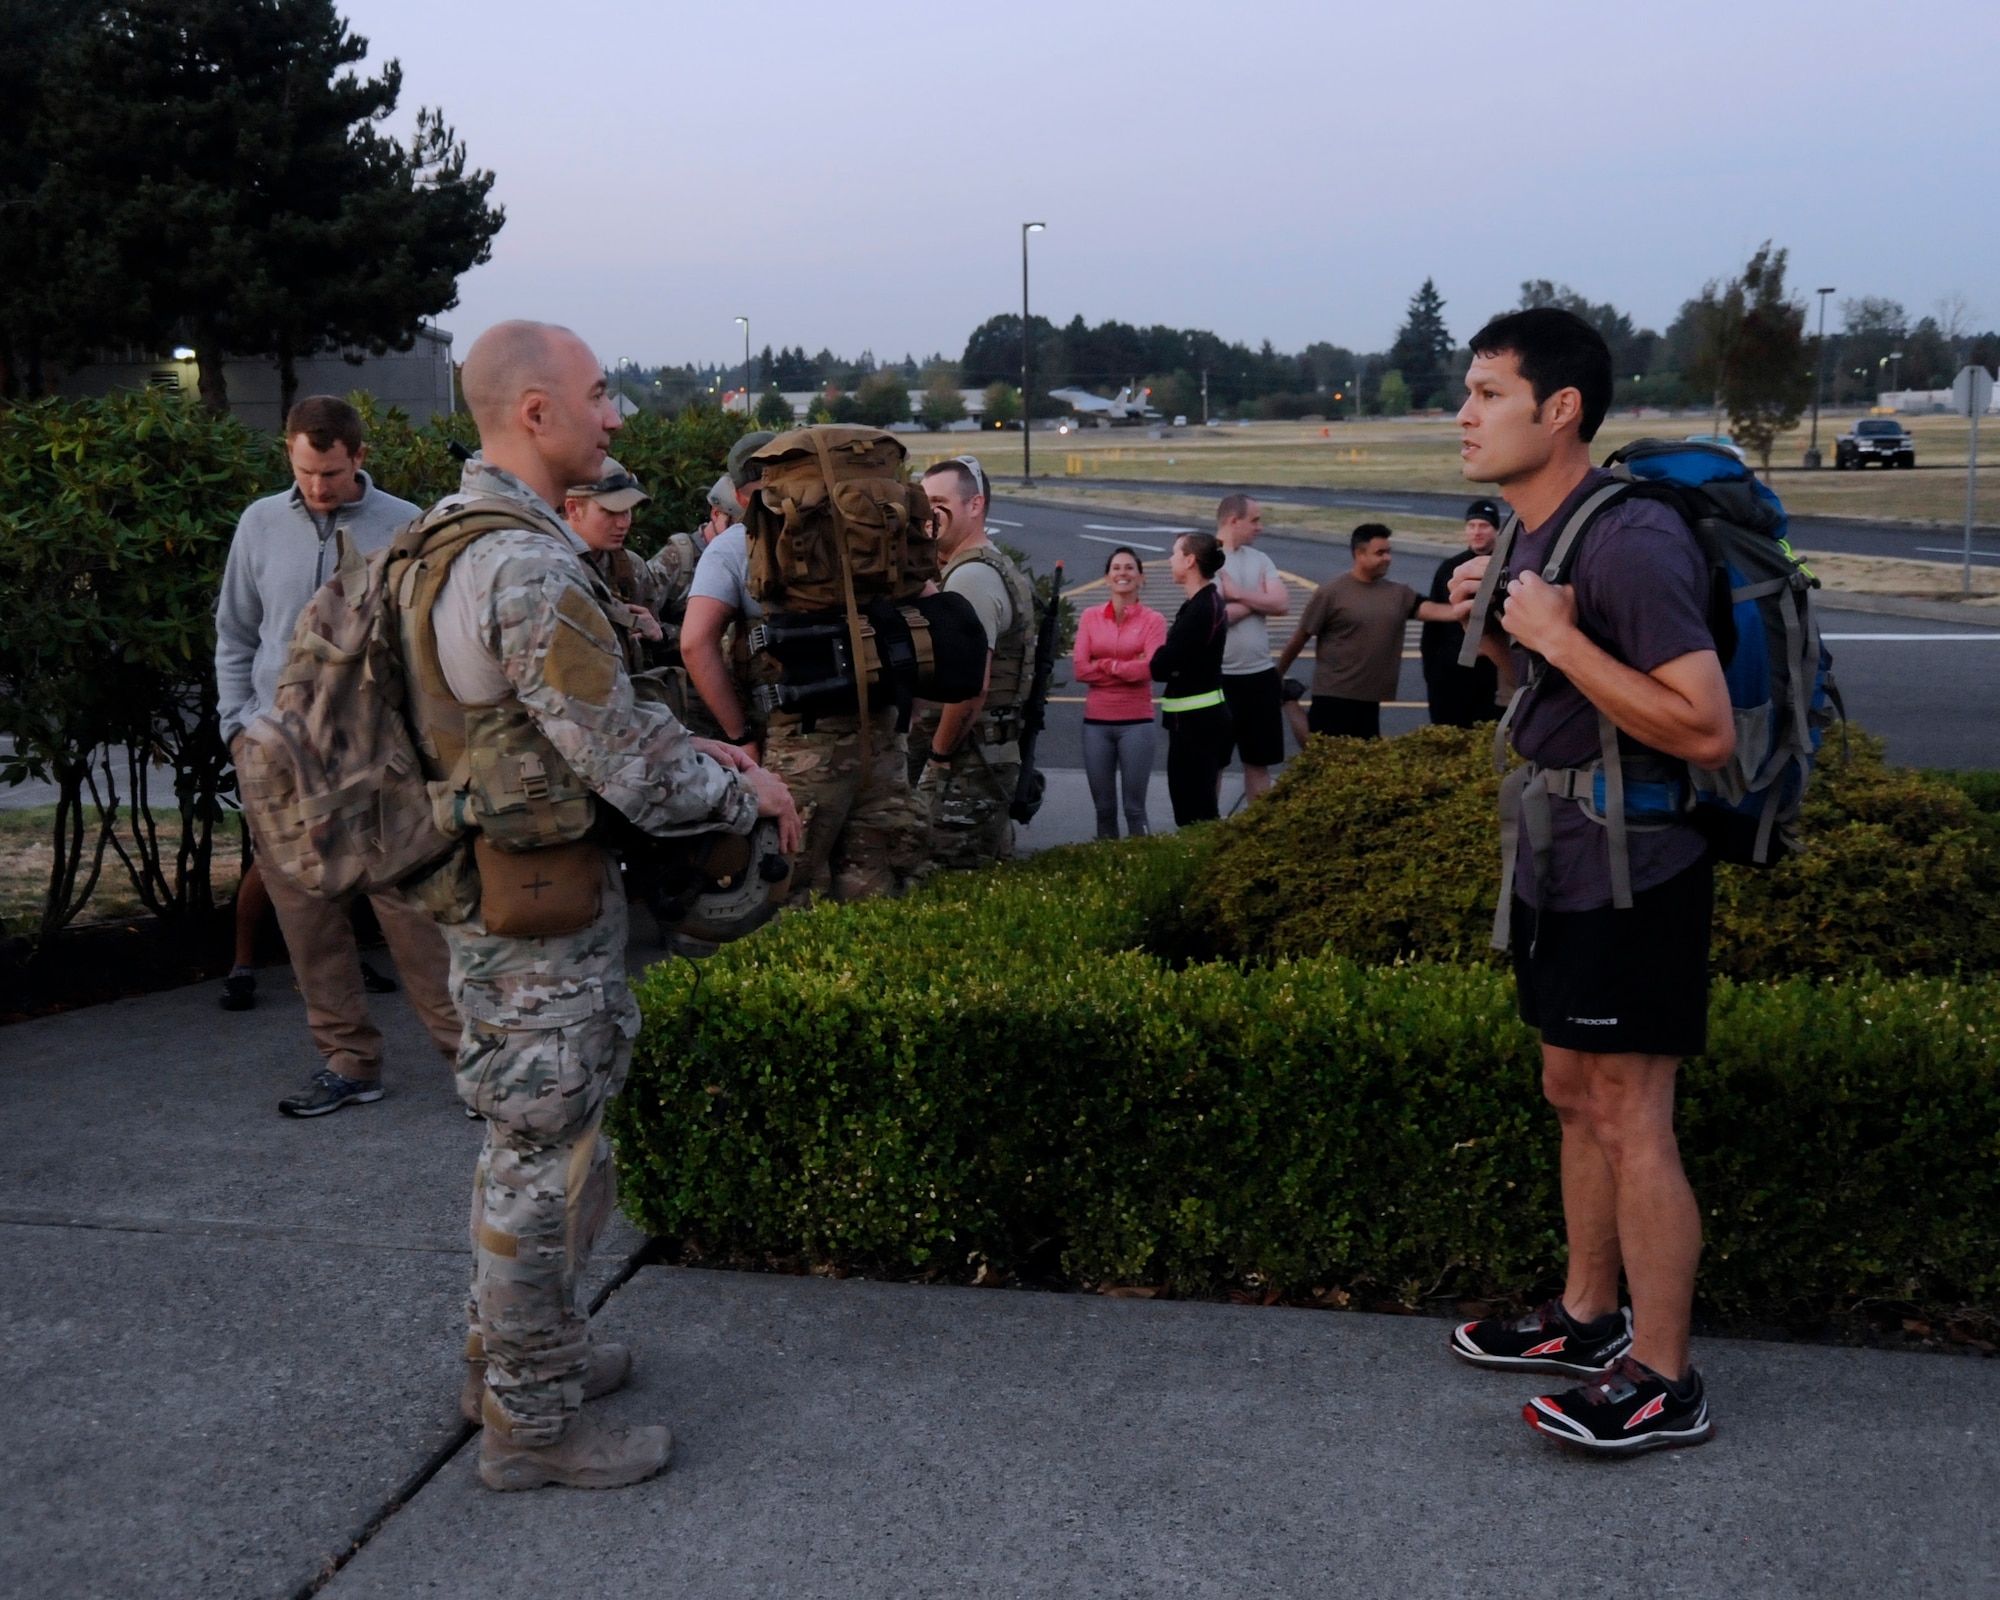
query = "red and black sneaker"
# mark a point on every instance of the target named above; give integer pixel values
(1545, 1340)
(1629, 1410)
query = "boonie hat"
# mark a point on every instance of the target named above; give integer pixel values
(722, 497)
(740, 453)
(615, 490)
(1485, 511)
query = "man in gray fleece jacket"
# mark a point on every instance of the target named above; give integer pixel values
(284, 549)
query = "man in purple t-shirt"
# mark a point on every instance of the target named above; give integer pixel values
(1619, 994)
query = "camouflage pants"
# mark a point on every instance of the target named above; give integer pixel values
(864, 830)
(967, 808)
(549, 1025)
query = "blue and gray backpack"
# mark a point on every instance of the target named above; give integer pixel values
(1780, 678)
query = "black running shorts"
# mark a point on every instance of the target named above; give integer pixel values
(1621, 982)
(1255, 701)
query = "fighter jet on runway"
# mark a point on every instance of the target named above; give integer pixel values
(1131, 405)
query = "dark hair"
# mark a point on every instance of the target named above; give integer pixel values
(1556, 350)
(1233, 506)
(1125, 550)
(1368, 533)
(968, 480)
(1206, 550)
(325, 419)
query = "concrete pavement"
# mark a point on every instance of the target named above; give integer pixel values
(232, 1339)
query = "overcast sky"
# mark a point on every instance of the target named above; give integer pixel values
(855, 176)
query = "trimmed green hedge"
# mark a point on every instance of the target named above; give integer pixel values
(997, 1071)
(1387, 850)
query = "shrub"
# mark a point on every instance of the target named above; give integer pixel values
(1388, 850)
(992, 1071)
(115, 521)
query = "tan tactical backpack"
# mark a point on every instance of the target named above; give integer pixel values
(334, 785)
(833, 523)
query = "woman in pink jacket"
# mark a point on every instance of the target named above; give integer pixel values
(1113, 655)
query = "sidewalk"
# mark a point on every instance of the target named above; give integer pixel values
(230, 1339)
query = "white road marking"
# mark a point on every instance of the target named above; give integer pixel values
(1002, 522)
(1097, 538)
(1114, 527)
(1909, 638)
(1958, 551)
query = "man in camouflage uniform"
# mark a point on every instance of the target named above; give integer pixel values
(864, 829)
(654, 591)
(549, 1021)
(969, 754)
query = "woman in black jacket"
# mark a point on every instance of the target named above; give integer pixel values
(1189, 664)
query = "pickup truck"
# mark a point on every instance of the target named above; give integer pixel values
(1882, 439)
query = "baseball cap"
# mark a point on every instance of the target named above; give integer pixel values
(740, 453)
(615, 489)
(1485, 511)
(722, 497)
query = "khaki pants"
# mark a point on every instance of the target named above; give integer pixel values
(327, 965)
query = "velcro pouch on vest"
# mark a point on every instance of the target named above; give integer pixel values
(534, 894)
(520, 791)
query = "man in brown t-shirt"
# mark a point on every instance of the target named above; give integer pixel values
(1356, 625)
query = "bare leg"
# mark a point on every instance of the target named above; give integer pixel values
(253, 905)
(1256, 781)
(1619, 1112)
(1295, 719)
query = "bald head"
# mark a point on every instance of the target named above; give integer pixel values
(539, 398)
(508, 360)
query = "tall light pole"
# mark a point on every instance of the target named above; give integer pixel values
(746, 364)
(1819, 380)
(1895, 369)
(1027, 363)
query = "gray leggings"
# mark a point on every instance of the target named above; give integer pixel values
(1112, 750)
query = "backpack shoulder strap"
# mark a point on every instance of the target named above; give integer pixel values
(421, 558)
(1482, 600)
(1562, 554)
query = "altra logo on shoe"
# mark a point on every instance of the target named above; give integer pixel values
(1652, 1408)
(1595, 1022)
(1548, 1349)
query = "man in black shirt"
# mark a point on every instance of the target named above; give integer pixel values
(1461, 697)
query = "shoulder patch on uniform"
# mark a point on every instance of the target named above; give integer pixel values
(582, 660)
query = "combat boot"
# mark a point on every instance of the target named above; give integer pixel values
(610, 1365)
(589, 1455)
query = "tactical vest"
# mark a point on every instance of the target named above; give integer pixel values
(491, 767)
(1013, 651)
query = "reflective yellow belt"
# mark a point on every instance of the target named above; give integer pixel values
(1193, 702)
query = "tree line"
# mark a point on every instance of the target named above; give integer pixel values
(213, 174)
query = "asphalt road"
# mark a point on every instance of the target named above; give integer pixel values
(1931, 688)
(1845, 535)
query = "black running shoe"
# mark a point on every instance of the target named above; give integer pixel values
(329, 1092)
(239, 991)
(1629, 1410)
(376, 982)
(1545, 1340)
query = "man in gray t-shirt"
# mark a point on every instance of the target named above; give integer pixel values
(1254, 592)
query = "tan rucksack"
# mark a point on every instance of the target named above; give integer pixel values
(833, 523)
(333, 785)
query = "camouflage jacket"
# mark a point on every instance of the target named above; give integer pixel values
(521, 614)
(661, 584)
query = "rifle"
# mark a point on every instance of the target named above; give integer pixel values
(1033, 785)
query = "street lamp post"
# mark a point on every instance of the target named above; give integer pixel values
(1819, 381)
(1027, 363)
(746, 364)
(1895, 370)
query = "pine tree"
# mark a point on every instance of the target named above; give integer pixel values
(222, 182)
(1423, 349)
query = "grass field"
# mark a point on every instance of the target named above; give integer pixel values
(26, 856)
(1422, 453)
